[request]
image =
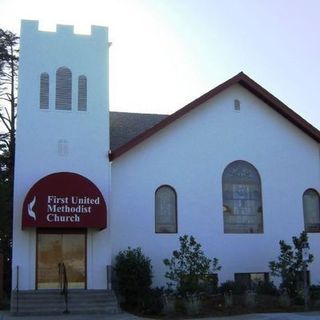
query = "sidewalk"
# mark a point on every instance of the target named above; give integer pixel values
(5, 315)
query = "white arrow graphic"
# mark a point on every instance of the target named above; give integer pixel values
(31, 213)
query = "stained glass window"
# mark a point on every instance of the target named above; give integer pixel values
(242, 203)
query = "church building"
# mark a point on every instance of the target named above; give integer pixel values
(236, 168)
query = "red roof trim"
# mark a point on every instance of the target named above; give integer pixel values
(244, 81)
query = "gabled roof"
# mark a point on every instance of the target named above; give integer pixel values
(124, 126)
(241, 79)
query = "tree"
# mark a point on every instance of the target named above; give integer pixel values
(8, 89)
(189, 268)
(289, 265)
(134, 276)
(8, 96)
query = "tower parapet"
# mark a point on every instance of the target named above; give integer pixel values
(32, 26)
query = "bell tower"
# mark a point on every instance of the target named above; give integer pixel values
(62, 127)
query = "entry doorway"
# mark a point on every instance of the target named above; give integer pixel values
(55, 247)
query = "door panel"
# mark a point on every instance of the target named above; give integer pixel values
(55, 248)
(74, 259)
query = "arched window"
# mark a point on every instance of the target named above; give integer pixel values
(63, 89)
(166, 210)
(82, 93)
(44, 91)
(311, 211)
(242, 203)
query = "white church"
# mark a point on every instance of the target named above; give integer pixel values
(236, 168)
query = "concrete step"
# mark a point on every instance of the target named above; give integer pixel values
(50, 302)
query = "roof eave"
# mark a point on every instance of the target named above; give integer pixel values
(241, 79)
(280, 107)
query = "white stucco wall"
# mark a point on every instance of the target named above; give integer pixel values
(39, 131)
(190, 155)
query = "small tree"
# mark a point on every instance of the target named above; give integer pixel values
(189, 268)
(289, 265)
(134, 275)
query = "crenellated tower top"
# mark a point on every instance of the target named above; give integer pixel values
(31, 27)
(63, 102)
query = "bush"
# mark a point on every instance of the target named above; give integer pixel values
(289, 265)
(134, 276)
(189, 269)
(153, 302)
(267, 288)
(234, 287)
(210, 285)
(314, 292)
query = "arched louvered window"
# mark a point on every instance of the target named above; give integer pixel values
(82, 93)
(63, 89)
(311, 211)
(242, 202)
(44, 90)
(166, 210)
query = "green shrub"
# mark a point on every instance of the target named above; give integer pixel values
(234, 287)
(134, 276)
(210, 285)
(153, 302)
(190, 271)
(289, 265)
(314, 292)
(267, 288)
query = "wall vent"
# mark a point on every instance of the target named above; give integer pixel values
(44, 90)
(237, 105)
(63, 147)
(63, 89)
(82, 93)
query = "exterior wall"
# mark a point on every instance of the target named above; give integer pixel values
(191, 155)
(39, 131)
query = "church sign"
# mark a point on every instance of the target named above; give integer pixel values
(64, 200)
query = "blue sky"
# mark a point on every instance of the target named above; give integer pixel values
(165, 53)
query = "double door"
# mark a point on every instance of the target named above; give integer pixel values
(56, 248)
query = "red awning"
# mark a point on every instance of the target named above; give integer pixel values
(64, 200)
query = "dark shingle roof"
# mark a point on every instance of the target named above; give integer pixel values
(124, 126)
